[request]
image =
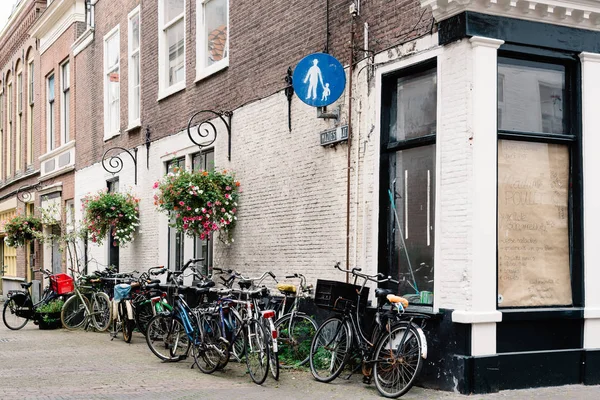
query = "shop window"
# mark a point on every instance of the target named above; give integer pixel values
(176, 238)
(536, 161)
(407, 198)
(212, 36)
(204, 248)
(171, 25)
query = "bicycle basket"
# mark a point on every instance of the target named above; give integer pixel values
(62, 283)
(334, 295)
(122, 291)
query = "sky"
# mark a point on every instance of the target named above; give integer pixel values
(6, 7)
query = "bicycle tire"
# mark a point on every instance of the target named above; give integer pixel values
(73, 314)
(294, 339)
(10, 311)
(101, 316)
(160, 337)
(126, 323)
(257, 351)
(207, 354)
(143, 314)
(273, 359)
(389, 380)
(235, 335)
(333, 331)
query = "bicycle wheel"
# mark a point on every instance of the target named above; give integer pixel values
(143, 315)
(163, 338)
(330, 350)
(74, 313)
(257, 351)
(273, 358)
(234, 334)
(398, 360)
(101, 311)
(207, 353)
(127, 324)
(10, 316)
(294, 339)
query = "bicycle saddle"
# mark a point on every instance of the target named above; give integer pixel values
(245, 283)
(382, 293)
(286, 288)
(206, 284)
(397, 299)
(26, 285)
(154, 285)
(203, 290)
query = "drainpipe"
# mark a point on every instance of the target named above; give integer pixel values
(351, 70)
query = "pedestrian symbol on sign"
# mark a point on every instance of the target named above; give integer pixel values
(319, 79)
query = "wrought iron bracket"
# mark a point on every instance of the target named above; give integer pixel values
(148, 146)
(25, 193)
(114, 164)
(289, 93)
(205, 128)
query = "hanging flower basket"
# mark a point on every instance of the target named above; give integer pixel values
(21, 229)
(114, 213)
(199, 202)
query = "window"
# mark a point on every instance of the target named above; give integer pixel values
(65, 103)
(171, 14)
(112, 84)
(50, 115)
(1, 125)
(203, 248)
(213, 36)
(536, 190)
(175, 238)
(89, 14)
(30, 115)
(409, 101)
(134, 67)
(19, 139)
(9, 128)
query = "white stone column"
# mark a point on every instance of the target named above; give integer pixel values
(590, 70)
(483, 314)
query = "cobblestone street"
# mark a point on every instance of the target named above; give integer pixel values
(60, 364)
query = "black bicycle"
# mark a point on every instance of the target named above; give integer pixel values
(395, 351)
(19, 307)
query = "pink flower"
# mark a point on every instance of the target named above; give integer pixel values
(209, 204)
(181, 203)
(189, 208)
(112, 208)
(218, 202)
(155, 186)
(120, 215)
(227, 187)
(185, 226)
(227, 196)
(115, 244)
(222, 210)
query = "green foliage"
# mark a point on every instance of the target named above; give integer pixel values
(21, 229)
(51, 307)
(199, 202)
(105, 210)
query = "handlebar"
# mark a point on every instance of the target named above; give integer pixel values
(377, 278)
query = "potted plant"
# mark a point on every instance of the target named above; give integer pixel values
(199, 202)
(22, 228)
(49, 314)
(111, 212)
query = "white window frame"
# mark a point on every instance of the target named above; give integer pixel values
(114, 31)
(30, 105)
(50, 107)
(164, 90)
(203, 71)
(64, 107)
(19, 126)
(133, 120)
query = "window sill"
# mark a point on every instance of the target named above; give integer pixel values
(213, 69)
(163, 94)
(108, 136)
(133, 125)
(529, 314)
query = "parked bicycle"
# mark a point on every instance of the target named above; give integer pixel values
(295, 329)
(89, 306)
(394, 353)
(19, 307)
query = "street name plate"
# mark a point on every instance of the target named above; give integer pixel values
(335, 135)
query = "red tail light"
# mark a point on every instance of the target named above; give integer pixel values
(268, 314)
(274, 333)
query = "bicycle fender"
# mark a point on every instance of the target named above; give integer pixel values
(20, 298)
(423, 341)
(129, 310)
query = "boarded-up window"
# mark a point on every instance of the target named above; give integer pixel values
(533, 224)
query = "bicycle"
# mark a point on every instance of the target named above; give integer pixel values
(19, 307)
(295, 329)
(394, 355)
(78, 311)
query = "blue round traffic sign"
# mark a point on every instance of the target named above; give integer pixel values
(319, 79)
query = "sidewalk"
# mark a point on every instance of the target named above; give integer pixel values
(66, 365)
